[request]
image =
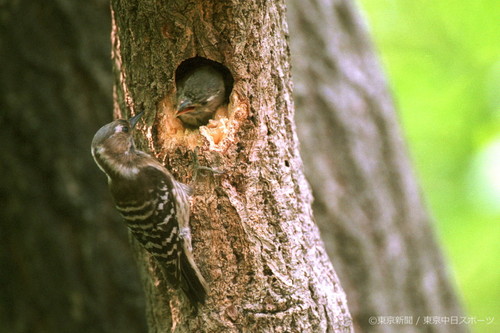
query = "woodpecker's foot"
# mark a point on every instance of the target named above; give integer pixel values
(197, 167)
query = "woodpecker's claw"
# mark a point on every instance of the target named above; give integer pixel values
(197, 167)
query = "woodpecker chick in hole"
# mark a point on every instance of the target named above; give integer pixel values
(153, 204)
(199, 94)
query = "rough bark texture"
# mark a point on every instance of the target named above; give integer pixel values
(253, 233)
(367, 202)
(65, 261)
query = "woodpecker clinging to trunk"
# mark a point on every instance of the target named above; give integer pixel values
(199, 94)
(153, 204)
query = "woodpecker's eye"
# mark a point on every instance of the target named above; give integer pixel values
(121, 128)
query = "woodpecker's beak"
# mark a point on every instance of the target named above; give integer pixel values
(135, 119)
(185, 106)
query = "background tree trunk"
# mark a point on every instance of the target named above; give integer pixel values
(254, 237)
(65, 262)
(367, 203)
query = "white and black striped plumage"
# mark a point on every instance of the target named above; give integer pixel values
(153, 204)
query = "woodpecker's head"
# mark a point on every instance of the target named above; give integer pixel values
(113, 141)
(199, 94)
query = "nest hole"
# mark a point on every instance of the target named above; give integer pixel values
(189, 65)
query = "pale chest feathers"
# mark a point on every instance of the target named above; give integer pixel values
(126, 168)
(125, 165)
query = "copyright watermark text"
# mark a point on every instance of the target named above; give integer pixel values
(429, 320)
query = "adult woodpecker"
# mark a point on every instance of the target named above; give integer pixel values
(153, 204)
(199, 94)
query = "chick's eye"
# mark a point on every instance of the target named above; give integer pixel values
(125, 129)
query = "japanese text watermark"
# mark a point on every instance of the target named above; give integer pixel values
(429, 320)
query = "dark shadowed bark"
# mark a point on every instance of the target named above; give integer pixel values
(65, 261)
(367, 203)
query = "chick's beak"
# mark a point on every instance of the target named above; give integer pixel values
(185, 106)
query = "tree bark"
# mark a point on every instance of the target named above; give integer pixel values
(367, 202)
(253, 233)
(65, 261)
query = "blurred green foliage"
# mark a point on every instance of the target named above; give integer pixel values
(442, 59)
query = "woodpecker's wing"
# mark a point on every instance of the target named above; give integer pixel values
(183, 268)
(156, 211)
(149, 206)
(181, 193)
(185, 187)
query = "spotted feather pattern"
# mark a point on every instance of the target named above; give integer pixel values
(153, 204)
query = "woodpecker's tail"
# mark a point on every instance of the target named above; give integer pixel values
(193, 283)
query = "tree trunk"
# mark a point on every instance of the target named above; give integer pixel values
(367, 203)
(253, 233)
(65, 261)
